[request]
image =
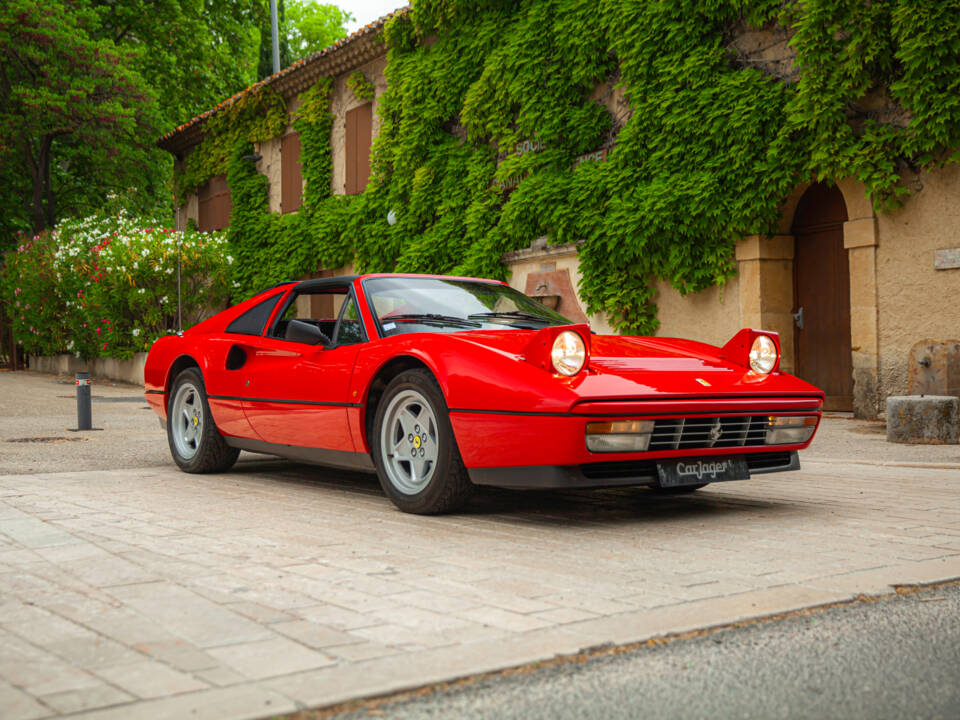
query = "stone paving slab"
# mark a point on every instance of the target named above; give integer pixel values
(150, 593)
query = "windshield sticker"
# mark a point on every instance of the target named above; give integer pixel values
(387, 327)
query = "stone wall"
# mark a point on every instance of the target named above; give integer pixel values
(915, 300)
(128, 371)
(711, 316)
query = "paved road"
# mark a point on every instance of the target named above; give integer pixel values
(897, 658)
(130, 589)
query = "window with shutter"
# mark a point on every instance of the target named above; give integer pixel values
(214, 204)
(359, 131)
(291, 177)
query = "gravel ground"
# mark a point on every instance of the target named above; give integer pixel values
(896, 658)
(36, 411)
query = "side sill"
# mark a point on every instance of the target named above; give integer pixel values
(341, 459)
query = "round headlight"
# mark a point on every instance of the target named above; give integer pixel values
(763, 355)
(568, 353)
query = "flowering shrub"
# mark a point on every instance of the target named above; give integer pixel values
(108, 286)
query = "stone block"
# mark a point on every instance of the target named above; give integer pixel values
(923, 419)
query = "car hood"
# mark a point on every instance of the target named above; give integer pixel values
(625, 366)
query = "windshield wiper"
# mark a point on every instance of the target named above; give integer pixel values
(430, 319)
(512, 315)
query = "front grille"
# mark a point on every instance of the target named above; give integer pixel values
(708, 432)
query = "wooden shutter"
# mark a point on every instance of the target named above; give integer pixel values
(291, 176)
(359, 135)
(214, 204)
(205, 207)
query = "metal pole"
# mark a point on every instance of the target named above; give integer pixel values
(179, 303)
(84, 416)
(275, 32)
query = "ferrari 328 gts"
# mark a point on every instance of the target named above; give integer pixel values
(440, 384)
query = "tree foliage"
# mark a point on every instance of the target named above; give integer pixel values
(312, 26)
(86, 86)
(62, 89)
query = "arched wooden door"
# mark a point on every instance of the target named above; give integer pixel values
(821, 282)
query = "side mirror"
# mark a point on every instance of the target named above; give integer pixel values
(306, 333)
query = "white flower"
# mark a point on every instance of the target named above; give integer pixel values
(135, 332)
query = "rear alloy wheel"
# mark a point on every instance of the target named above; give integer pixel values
(195, 442)
(414, 449)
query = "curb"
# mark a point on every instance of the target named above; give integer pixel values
(884, 463)
(330, 687)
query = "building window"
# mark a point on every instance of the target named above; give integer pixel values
(215, 204)
(359, 131)
(291, 177)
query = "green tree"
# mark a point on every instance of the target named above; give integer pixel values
(86, 86)
(62, 89)
(312, 26)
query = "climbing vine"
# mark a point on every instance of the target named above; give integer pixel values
(492, 106)
(253, 116)
(361, 88)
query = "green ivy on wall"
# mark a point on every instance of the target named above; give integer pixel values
(481, 127)
(361, 88)
(257, 115)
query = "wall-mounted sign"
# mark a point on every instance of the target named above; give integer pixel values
(595, 156)
(527, 146)
(946, 259)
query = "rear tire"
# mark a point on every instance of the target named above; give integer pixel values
(195, 442)
(414, 449)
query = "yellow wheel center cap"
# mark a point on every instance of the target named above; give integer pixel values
(196, 420)
(416, 441)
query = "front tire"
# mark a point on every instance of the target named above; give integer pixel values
(195, 442)
(414, 450)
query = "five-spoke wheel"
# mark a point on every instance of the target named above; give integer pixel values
(409, 441)
(414, 449)
(186, 419)
(195, 442)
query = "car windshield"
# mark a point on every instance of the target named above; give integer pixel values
(446, 305)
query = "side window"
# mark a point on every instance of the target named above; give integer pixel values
(255, 319)
(349, 328)
(317, 309)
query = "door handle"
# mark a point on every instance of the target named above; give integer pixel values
(798, 318)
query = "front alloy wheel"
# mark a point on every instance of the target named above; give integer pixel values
(409, 442)
(414, 449)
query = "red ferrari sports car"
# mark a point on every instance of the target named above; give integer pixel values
(441, 384)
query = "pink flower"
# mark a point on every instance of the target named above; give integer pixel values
(104, 346)
(98, 331)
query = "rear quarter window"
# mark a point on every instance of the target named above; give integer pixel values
(254, 320)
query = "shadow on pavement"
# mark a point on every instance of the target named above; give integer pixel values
(605, 506)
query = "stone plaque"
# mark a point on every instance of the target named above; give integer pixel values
(946, 259)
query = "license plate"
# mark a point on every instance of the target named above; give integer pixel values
(696, 471)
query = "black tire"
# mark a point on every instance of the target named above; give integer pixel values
(679, 490)
(206, 451)
(442, 484)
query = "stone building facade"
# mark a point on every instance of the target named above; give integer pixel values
(850, 292)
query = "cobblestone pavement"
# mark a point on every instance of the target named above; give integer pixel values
(148, 593)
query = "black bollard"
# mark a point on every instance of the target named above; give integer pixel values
(84, 419)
